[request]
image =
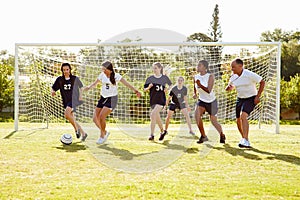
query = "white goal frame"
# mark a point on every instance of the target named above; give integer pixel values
(278, 60)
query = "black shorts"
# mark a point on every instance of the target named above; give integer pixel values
(173, 106)
(73, 105)
(245, 105)
(69, 104)
(109, 102)
(211, 108)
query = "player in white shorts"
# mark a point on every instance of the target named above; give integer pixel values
(109, 97)
(247, 96)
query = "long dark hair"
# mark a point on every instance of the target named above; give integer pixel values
(159, 65)
(108, 65)
(63, 65)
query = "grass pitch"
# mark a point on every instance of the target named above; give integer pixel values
(35, 165)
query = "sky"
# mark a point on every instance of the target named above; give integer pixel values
(74, 21)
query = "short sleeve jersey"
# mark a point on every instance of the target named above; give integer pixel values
(69, 89)
(178, 95)
(108, 89)
(203, 95)
(157, 91)
(245, 84)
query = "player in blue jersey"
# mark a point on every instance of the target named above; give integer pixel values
(109, 97)
(70, 88)
(179, 100)
(158, 85)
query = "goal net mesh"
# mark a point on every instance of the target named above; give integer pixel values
(39, 65)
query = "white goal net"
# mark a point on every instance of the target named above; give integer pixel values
(38, 65)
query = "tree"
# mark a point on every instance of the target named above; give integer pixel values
(290, 94)
(6, 80)
(215, 27)
(214, 53)
(290, 50)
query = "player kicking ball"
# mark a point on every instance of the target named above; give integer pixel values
(70, 88)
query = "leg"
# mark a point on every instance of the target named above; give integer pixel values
(70, 117)
(96, 117)
(102, 119)
(187, 117)
(240, 126)
(169, 116)
(159, 122)
(245, 125)
(216, 124)
(198, 116)
(153, 116)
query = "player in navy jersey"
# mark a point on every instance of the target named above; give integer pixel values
(207, 102)
(179, 100)
(109, 98)
(157, 85)
(70, 88)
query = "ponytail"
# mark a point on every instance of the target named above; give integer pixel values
(108, 65)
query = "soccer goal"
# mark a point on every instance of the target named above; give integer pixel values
(38, 65)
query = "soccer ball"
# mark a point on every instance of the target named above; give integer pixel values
(66, 139)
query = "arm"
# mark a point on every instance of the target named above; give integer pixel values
(260, 90)
(138, 94)
(91, 85)
(53, 93)
(229, 87)
(148, 88)
(80, 94)
(168, 100)
(195, 91)
(210, 84)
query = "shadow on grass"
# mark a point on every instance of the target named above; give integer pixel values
(74, 147)
(123, 154)
(179, 147)
(245, 153)
(30, 133)
(10, 135)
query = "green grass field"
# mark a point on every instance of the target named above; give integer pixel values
(35, 165)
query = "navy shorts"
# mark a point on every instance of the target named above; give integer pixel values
(109, 102)
(245, 105)
(211, 108)
(173, 106)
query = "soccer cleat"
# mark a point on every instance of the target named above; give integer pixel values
(162, 135)
(84, 137)
(202, 139)
(77, 133)
(100, 141)
(192, 133)
(151, 137)
(222, 138)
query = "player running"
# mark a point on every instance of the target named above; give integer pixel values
(70, 88)
(109, 97)
(204, 82)
(179, 100)
(157, 85)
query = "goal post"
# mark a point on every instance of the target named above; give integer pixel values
(38, 65)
